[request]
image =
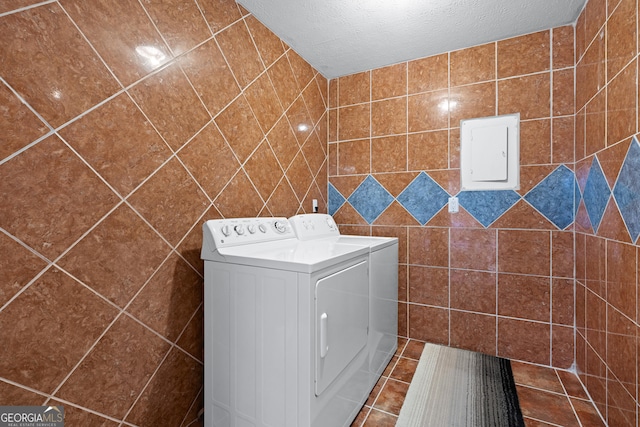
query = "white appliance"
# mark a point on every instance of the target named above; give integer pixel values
(286, 326)
(383, 276)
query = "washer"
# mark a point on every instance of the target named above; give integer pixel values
(286, 326)
(383, 276)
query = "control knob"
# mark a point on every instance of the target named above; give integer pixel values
(225, 230)
(280, 227)
(251, 228)
(239, 229)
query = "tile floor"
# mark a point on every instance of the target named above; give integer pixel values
(548, 397)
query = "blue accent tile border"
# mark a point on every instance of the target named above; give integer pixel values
(627, 190)
(423, 198)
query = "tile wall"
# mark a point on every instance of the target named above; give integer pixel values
(608, 216)
(124, 126)
(497, 276)
(508, 273)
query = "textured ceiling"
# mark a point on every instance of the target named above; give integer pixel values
(342, 37)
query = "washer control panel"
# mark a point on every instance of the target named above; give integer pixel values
(314, 226)
(242, 231)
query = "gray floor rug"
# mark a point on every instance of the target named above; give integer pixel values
(460, 388)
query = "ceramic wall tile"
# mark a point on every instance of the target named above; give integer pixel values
(429, 285)
(595, 124)
(195, 154)
(473, 249)
(469, 102)
(389, 82)
(263, 100)
(428, 74)
(100, 382)
(524, 297)
(621, 36)
(172, 382)
(473, 291)
(389, 117)
(169, 299)
(171, 213)
(473, 331)
(591, 71)
(429, 324)
(169, 101)
(354, 122)
(535, 142)
(210, 76)
(354, 89)
(300, 120)
(524, 252)
(49, 64)
(283, 81)
(181, 24)
(532, 106)
(621, 105)
(19, 267)
(473, 65)
(534, 47)
(119, 143)
(219, 13)
(20, 127)
(48, 210)
(152, 142)
(239, 198)
(302, 71)
(284, 142)
(117, 257)
(428, 111)
(389, 154)
(428, 150)
(533, 346)
(50, 308)
(123, 35)
(563, 47)
(263, 170)
(269, 45)
(240, 128)
(240, 52)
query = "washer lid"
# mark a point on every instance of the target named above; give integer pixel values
(292, 255)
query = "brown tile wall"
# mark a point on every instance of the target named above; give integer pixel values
(520, 288)
(607, 320)
(506, 289)
(126, 125)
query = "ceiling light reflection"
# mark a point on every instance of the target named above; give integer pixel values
(151, 54)
(447, 105)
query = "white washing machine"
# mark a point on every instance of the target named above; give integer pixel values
(286, 326)
(383, 276)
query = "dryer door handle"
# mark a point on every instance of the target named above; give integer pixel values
(324, 343)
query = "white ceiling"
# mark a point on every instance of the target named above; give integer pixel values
(342, 37)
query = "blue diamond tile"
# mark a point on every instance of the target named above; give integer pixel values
(336, 200)
(553, 197)
(487, 206)
(423, 198)
(370, 199)
(627, 190)
(577, 196)
(596, 194)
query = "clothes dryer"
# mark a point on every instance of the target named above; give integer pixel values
(383, 283)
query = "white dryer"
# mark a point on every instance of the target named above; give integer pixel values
(286, 326)
(383, 277)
